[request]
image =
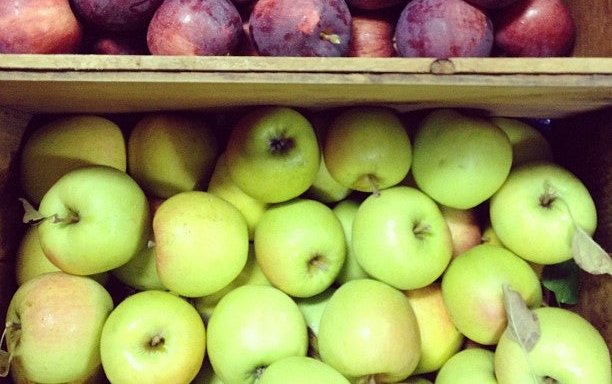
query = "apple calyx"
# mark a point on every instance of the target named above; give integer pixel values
(317, 263)
(330, 36)
(421, 230)
(281, 145)
(157, 342)
(5, 356)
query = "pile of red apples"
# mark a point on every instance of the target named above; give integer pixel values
(277, 245)
(305, 28)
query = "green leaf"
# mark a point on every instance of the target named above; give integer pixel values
(589, 255)
(562, 280)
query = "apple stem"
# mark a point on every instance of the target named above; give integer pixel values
(71, 218)
(30, 214)
(156, 340)
(420, 229)
(318, 263)
(331, 37)
(373, 185)
(548, 196)
(6, 357)
(150, 244)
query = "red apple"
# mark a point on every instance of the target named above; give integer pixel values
(443, 29)
(464, 227)
(119, 44)
(491, 4)
(535, 28)
(116, 15)
(38, 26)
(195, 27)
(372, 34)
(374, 4)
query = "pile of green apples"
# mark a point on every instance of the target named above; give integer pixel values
(274, 245)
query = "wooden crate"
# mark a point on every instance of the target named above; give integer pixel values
(576, 92)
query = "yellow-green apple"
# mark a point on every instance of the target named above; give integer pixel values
(201, 243)
(273, 154)
(64, 144)
(17, 376)
(464, 228)
(368, 331)
(325, 188)
(171, 152)
(252, 327)
(367, 149)
(536, 212)
(528, 144)
(400, 237)
(570, 350)
(345, 210)
(440, 338)
(153, 337)
(469, 366)
(490, 237)
(30, 260)
(250, 274)
(222, 185)
(140, 272)
(312, 308)
(416, 380)
(300, 370)
(460, 160)
(472, 289)
(53, 327)
(96, 219)
(300, 246)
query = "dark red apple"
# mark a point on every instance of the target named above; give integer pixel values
(301, 27)
(39, 26)
(116, 15)
(535, 28)
(120, 44)
(372, 34)
(443, 29)
(195, 27)
(492, 4)
(374, 4)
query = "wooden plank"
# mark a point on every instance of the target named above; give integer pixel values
(132, 91)
(475, 66)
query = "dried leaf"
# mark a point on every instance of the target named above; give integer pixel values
(5, 363)
(589, 255)
(31, 215)
(523, 326)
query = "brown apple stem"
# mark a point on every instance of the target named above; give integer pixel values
(373, 185)
(331, 37)
(317, 262)
(150, 244)
(71, 218)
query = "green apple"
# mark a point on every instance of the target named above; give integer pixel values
(153, 337)
(464, 228)
(252, 327)
(440, 338)
(201, 243)
(400, 237)
(345, 210)
(528, 144)
(53, 327)
(469, 366)
(367, 149)
(250, 274)
(222, 185)
(17, 376)
(30, 260)
(472, 289)
(417, 380)
(569, 351)
(300, 370)
(325, 188)
(460, 160)
(96, 219)
(140, 272)
(312, 308)
(273, 154)
(368, 331)
(300, 246)
(64, 144)
(542, 202)
(171, 152)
